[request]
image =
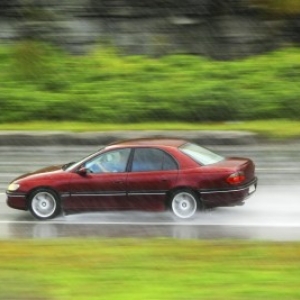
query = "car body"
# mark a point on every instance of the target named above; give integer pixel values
(141, 174)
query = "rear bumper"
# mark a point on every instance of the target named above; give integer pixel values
(228, 197)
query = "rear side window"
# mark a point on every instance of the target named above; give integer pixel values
(151, 159)
(169, 162)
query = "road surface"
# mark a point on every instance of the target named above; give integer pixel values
(270, 214)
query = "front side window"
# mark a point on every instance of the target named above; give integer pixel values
(151, 159)
(114, 161)
(201, 155)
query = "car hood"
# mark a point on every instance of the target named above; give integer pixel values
(49, 169)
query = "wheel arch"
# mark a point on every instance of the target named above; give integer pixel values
(171, 192)
(41, 187)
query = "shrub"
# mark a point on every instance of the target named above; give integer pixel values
(279, 7)
(41, 82)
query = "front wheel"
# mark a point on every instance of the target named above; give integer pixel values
(184, 204)
(44, 204)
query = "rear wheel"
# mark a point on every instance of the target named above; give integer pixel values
(44, 204)
(184, 203)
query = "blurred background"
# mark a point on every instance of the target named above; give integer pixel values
(152, 64)
(131, 61)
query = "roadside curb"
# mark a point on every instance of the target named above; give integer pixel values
(64, 138)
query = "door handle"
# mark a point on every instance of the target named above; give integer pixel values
(119, 181)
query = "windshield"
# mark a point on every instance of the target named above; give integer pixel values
(70, 166)
(201, 155)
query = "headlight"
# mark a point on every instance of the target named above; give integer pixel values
(13, 187)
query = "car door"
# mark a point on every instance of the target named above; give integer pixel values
(153, 173)
(103, 184)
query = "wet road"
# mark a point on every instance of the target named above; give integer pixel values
(271, 214)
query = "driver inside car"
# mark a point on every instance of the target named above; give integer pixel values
(112, 162)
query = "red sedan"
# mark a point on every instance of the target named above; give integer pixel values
(145, 174)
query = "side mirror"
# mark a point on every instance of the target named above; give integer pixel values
(82, 171)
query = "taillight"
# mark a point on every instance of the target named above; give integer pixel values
(236, 178)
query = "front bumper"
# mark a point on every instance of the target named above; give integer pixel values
(16, 200)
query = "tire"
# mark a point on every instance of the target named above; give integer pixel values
(44, 204)
(184, 204)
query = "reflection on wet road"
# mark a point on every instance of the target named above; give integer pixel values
(264, 216)
(271, 214)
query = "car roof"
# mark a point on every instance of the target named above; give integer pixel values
(173, 142)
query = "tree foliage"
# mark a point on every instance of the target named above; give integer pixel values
(279, 7)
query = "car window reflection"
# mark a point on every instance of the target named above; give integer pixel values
(110, 162)
(151, 159)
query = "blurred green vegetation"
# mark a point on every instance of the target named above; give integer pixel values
(39, 82)
(148, 269)
(279, 7)
(274, 129)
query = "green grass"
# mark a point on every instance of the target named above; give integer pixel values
(145, 269)
(39, 82)
(276, 129)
